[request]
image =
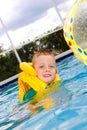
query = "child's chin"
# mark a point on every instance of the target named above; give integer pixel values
(48, 82)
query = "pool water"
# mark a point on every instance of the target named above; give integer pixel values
(69, 111)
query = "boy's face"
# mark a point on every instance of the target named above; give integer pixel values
(45, 67)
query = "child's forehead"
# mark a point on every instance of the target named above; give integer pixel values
(48, 57)
(45, 59)
(44, 55)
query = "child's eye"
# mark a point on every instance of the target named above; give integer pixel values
(41, 66)
(51, 66)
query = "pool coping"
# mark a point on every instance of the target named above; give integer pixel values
(14, 78)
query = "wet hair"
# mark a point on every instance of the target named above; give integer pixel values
(41, 52)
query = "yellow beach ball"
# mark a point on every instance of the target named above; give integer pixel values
(75, 30)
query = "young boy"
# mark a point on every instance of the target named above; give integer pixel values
(44, 63)
(38, 78)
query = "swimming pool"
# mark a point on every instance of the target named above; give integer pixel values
(69, 112)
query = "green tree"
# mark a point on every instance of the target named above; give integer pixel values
(1, 48)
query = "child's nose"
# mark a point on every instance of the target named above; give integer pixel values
(47, 69)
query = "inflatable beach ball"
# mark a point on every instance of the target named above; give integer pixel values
(75, 30)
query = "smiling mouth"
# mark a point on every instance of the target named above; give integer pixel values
(47, 75)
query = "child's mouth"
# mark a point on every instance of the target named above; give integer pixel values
(47, 75)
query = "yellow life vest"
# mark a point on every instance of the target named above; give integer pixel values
(28, 79)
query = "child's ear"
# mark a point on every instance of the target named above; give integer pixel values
(56, 71)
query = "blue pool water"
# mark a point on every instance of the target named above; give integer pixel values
(70, 103)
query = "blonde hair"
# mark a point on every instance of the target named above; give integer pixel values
(41, 52)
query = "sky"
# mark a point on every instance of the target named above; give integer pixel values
(27, 19)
